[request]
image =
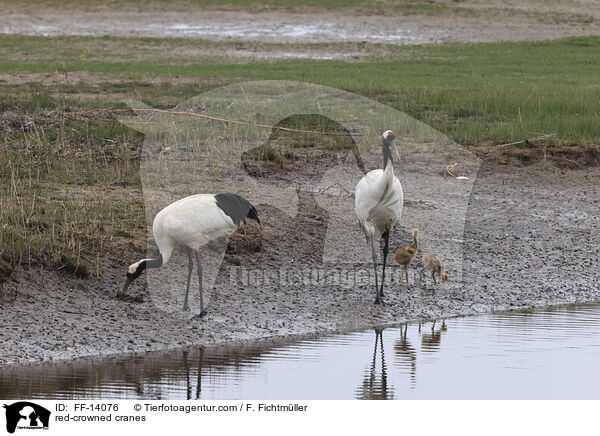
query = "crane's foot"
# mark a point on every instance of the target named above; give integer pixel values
(378, 300)
(186, 307)
(129, 298)
(199, 316)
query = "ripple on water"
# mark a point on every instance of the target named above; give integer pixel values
(545, 353)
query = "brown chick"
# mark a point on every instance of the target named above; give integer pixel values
(405, 255)
(434, 264)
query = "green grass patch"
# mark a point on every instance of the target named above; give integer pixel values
(473, 92)
(65, 185)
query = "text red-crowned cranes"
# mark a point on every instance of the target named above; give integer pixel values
(379, 200)
(192, 222)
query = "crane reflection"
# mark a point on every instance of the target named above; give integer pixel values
(374, 385)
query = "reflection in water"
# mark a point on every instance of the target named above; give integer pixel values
(188, 374)
(431, 342)
(509, 355)
(199, 384)
(406, 355)
(189, 377)
(374, 385)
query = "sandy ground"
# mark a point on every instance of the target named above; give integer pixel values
(465, 21)
(531, 238)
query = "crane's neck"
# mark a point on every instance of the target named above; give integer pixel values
(415, 242)
(388, 163)
(141, 265)
(137, 268)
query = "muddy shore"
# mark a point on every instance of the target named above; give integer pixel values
(296, 29)
(531, 238)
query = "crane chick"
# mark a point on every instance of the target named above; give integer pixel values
(434, 264)
(405, 255)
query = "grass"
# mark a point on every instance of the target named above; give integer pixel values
(473, 93)
(69, 185)
(61, 196)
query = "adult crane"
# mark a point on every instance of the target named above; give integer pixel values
(379, 200)
(192, 222)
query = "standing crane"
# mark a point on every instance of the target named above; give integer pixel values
(192, 222)
(379, 200)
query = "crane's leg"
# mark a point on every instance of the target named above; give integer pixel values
(188, 250)
(202, 312)
(386, 237)
(433, 276)
(374, 256)
(200, 362)
(187, 375)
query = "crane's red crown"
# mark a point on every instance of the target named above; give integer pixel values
(388, 134)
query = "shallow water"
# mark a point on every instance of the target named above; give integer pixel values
(538, 354)
(286, 28)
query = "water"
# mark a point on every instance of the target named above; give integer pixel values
(261, 28)
(548, 353)
(288, 28)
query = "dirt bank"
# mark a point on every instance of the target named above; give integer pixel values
(531, 238)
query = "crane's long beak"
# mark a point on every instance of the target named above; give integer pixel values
(396, 150)
(127, 283)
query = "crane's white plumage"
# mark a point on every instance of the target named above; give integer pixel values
(379, 201)
(192, 222)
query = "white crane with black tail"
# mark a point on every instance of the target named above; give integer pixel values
(379, 200)
(192, 222)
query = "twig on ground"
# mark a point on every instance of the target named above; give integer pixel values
(449, 168)
(538, 138)
(324, 190)
(571, 161)
(209, 117)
